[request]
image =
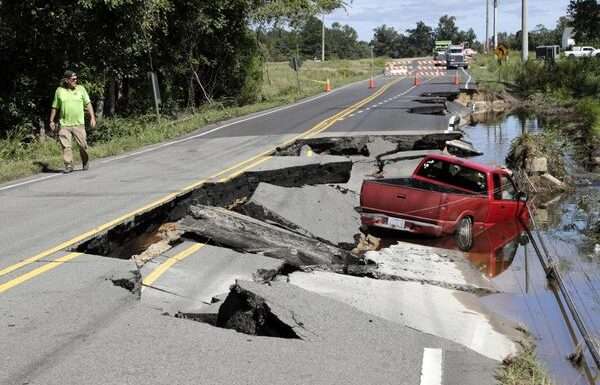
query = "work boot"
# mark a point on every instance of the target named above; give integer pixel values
(68, 168)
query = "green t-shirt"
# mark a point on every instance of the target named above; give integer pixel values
(71, 105)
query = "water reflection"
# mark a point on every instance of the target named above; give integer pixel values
(492, 252)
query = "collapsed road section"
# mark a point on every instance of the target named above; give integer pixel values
(292, 221)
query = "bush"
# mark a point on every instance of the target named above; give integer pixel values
(589, 110)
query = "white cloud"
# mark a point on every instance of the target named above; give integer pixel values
(365, 15)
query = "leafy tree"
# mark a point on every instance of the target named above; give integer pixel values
(586, 19)
(421, 39)
(113, 43)
(386, 41)
(447, 29)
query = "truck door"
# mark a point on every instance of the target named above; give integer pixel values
(503, 203)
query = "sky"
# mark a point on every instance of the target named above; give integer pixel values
(365, 15)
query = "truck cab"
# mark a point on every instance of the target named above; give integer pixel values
(455, 57)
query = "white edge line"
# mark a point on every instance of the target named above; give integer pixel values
(29, 182)
(431, 369)
(469, 75)
(259, 115)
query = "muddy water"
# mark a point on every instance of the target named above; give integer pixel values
(511, 263)
(527, 298)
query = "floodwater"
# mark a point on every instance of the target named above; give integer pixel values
(527, 298)
(509, 260)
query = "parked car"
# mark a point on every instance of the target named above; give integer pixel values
(444, 195)
(455, 57)
(582, 52)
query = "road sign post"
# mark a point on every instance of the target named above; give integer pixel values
(295, 64)
(155, 92)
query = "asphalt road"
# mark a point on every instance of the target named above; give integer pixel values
(64, 322)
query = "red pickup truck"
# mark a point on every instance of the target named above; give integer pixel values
(444, 195)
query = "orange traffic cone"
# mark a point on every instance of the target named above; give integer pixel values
(417, 80)
(327, 86)
(456, 80)
(371, 83)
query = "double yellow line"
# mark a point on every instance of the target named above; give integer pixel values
(222, 176)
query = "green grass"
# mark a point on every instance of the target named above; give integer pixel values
(523, 369)
(19, 158)
(492, 76)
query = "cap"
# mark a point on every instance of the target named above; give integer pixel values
(69, 74)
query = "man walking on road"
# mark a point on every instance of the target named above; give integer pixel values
(70, 100)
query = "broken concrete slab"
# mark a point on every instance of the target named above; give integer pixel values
(419, 306)
(399, 169)
(339, 145)
(407, 155)
(378, 145)
(403, 140)
(555, 182)
(316, 169)
(462, 148)
(309, 210)
(362, 167)
(241, 232)
(439, 109)
(537, 165)
(435, 266)
(341, 345)
(247, 312)
(191, 284)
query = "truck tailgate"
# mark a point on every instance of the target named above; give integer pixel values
(400, 198)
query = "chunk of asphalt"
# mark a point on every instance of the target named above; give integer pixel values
(308, 209)
(242, 232)
(248, 312)
(435, 266)
(316, 169)
(340, 345)
(191, 284)
(462, 148)
(399, 169)
(407, 155)
(378, 145)
(445, 313)
(435, 109)
(362, 168)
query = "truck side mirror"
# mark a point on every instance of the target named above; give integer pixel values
(522, 196)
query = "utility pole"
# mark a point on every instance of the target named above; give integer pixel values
(524, 32)
(487, 25)
(323, 38)
(495, 19)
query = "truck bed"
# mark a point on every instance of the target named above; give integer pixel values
(417, 184)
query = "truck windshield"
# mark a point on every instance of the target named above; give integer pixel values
(456, 50)
(454, 175)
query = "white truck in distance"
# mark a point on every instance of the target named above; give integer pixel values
(583, 52)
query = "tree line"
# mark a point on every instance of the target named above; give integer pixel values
(419, 41)
(113, 44)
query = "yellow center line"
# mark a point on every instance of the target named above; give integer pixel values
(250, 162)
(42, 269)
(240, 171)
(355, 107)
(166, 265)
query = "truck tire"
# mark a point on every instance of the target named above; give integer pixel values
(464, 234)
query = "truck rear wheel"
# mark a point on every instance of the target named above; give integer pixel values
(464, 234)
